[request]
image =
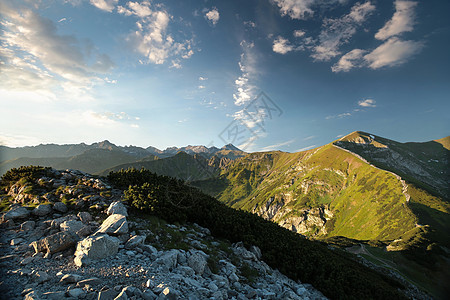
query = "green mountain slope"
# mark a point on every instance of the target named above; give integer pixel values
(424, 164)
(321, 192)
(336, 196)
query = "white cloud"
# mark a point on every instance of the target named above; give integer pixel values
(281, 46)
(402, 20)
(277, 146)
(337, 32)
(247, 64)
(339, 116)
(34, 57)
(250, 24)
(299, 33)
(151, 39)
(106, 5)
(213, 15)
(392, 53)
(367, 103)
(201, 78)
(296, 9)
(350, 60)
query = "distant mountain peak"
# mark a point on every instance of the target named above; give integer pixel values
(230, 147)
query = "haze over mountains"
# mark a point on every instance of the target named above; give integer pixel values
(101, 156)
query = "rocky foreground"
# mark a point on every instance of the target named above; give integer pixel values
(84, 243)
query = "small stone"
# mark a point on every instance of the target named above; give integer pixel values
(70, 278)
(26, 260)
(54, 295)
(41, 276)
(76, 292)
(27, 225)
(60, 207)
(85, 217)
(90, 281)
(42, 210)
(17, 212)
(135, 241)
(32, 296)
(16, 241)
(107, 294)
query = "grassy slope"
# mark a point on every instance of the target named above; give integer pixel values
(423, 164)
(368, 202)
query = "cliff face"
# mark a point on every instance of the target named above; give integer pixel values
(306, 221)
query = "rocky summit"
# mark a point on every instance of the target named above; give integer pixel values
(80, 241)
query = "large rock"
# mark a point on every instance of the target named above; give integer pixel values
(197, 261)
(71, 226)
(169, 259)
(54, 243)
(115, 224)
(118, 208)
(17, 212)
(42, 210)
(95, 247)
(58, 242)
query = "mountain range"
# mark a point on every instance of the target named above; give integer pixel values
(102, 157)
(362, 189)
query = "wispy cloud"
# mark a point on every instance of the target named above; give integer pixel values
(106, 5)
(367, 103)
(281, 46)
(151, 39)
(349, 61)
(35, 57)
(245, 89)
(298, 33)
(337, 32)
(305, 148)
(394, 51)
(213, 15)
(309, 138)
(296, 9)
(402, 20)
(277, 146)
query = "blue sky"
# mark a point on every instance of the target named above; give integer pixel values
(173, 73)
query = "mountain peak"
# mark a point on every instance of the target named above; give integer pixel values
(230, 147)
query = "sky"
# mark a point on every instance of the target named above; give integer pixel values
(264, 75)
